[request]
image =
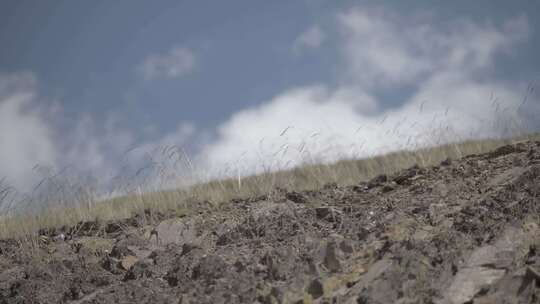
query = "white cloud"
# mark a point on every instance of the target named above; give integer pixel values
(381, 50)
(386, 49)
(178, 62)
(38, 141)
(92, 149)
(25, 137)
(312, 38)
(317, 124)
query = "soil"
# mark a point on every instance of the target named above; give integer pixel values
(466, 231)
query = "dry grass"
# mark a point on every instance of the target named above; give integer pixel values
(182, 201)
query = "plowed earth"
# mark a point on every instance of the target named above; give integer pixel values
(466, 231)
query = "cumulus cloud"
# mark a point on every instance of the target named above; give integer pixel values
(43, 149)
(454, 96)
(25, 137)
(310, 39)
(318, 124)
(37, 141)
(382, 48)
(178, 62)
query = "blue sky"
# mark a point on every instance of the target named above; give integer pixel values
(102, 87)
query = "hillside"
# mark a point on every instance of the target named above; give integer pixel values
(462, 231)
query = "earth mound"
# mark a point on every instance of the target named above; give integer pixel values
(466, 231)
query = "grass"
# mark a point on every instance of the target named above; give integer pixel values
(184, 201)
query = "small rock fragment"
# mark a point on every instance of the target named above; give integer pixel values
(137, 271)
(387, 188)
(504, 150)
(331, 260)
(315, 289)
(469, 281)
(176, 231)
(210, 267)
(296, 197)
(532, 275)
(346, 247)
(446, 162)
(328, 213)
(377, 181)
(128, 262)
(403, 177)
(119, 251)
(60, 237)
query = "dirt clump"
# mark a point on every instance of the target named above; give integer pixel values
(467, 231)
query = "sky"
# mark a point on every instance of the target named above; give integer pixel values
(103, 90)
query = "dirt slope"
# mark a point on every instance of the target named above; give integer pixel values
(466, 231)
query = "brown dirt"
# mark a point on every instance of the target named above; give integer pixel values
(466, 231)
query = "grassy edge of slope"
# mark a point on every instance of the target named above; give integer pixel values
(306, 177)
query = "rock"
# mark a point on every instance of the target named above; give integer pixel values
(296, 197)
(8, 276)
(275, 220)
(486, 266)
(362, 187)
(119, 251)
(140, 253)
(512, 245)
(377, 181)
(465, 233)
(281, 263)
(226, 232)
(176, 231)
(110, 264)
(374, 286)
(138, 270)
(113, 227)
(532, 275)
(442, 189)
(505, 150)
(423, 233)
(60, 237)
(128, 262)
(509, 176)
(446, 162)
(210, 267)
(330, 186)
(401, 230)
(469, 281)
(387, 188)
(516, 287)
(490, 256)
(315, 289)
(375, 271)
(362, 233)
(73, 293)
(441, 212)
(404, 176)
(346, 247)
(275, 295)
(260, 268)
(268, 209)
(331, 260)
(328, 213)
(437, 212)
